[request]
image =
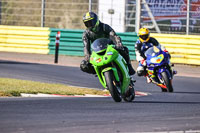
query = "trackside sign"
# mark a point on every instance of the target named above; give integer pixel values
(168, 9)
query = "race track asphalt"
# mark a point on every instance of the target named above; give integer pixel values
(156, 112)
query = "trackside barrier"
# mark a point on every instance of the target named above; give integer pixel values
(71, 42)
(184, 49)
(24, 39)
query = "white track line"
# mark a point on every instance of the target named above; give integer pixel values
(87, 95)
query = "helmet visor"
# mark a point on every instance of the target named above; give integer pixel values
(144, 37)
(90, 23)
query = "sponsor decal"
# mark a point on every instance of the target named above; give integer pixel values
(109, 53)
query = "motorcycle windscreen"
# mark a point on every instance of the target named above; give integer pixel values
(100, 45)
(152, 51)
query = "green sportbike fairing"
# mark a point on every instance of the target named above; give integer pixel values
(112, 70)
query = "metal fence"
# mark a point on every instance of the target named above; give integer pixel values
(45, 13)
(162, 16)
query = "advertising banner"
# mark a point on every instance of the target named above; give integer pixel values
(169, 9)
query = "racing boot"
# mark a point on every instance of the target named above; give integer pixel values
(131, 70)
(148, 79)
(174, 72)
(172, 69)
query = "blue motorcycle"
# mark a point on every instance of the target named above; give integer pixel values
(159, 67)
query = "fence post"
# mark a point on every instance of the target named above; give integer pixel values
(43, 13)
(188, 17)
(57, 46)
(90, 5)
(0, 11)
(138, 13)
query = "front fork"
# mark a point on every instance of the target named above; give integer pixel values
(101, 77)
(156, 73)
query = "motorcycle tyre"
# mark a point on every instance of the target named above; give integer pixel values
(167, 82)
(109, 76)
(130, 94)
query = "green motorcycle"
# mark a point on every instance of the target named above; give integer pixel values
(112, 70)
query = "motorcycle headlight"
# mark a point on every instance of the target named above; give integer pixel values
(153, 60)
(98, 60)
(157, 59)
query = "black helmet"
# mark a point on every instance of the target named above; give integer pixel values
(91, 21)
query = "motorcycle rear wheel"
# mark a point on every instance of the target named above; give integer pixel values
(111, 84)
(167, 82)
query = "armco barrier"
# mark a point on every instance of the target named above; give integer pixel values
(71, 42)
(184, 49)
(24, 39)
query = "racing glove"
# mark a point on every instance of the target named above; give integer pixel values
(119, 47)
(87, 58)
(143, 62)
(165, 50)
(167, 53)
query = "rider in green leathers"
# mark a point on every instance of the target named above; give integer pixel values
(96, 29)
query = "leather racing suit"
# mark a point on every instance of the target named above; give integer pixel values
(140, 48)
(103, 31)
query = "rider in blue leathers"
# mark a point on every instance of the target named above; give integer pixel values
(142, 44)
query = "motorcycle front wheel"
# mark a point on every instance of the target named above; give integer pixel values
(111, 84)
(167, 82)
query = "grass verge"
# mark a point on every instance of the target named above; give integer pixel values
(14, 87)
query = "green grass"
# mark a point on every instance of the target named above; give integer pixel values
(14, 87)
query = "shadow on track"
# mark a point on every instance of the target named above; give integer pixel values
(166, 102)
(187, 93)
(14, 63)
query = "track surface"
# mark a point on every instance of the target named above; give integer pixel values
(178, 111)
